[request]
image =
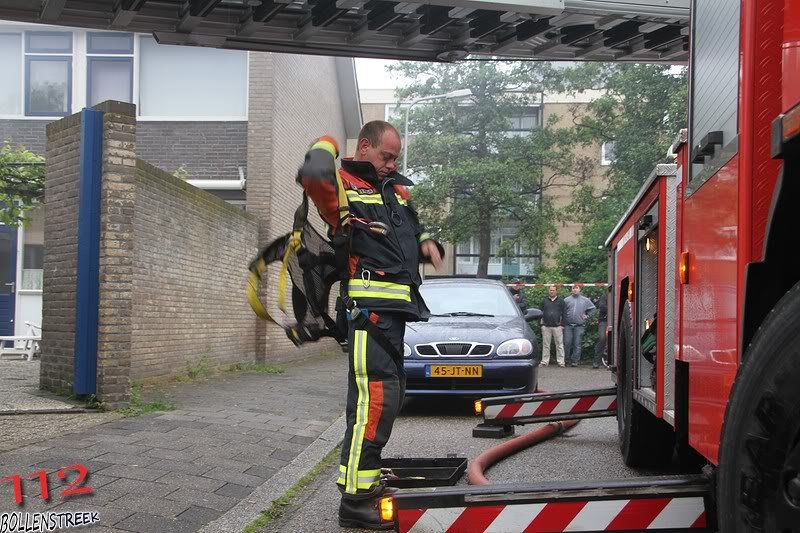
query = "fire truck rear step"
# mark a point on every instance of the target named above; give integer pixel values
(666, 503)
(549, 407)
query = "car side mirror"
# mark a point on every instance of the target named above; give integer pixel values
(533, 314)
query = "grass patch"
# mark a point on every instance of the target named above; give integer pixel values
(278, 506)
(139, 407)
(251, 366)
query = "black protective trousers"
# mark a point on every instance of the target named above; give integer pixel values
(375, 391)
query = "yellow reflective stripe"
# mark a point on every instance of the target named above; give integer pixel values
(377, 294)
(355, 196)
(401, 200)
(362, 409)
(424, 236)
(366, 478)
(344, 203)
(325, 145)
(394, 287)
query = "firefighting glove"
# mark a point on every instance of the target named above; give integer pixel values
(320, 161)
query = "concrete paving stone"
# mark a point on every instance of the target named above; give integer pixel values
(135, 486)
(265, 431)
(109, 516)
(141, 522)
(244, 447)
(264, 472)
(118, 447)
(204, 498)
(213, 440)
(100, 495)
(188, 432)
(99, 480)
(222, 451)
(191, 482)
(172, 465)
(286, 445)
(294, 424)
(198, 516)
(295, 432)
(126, 459)
(283, 455)
(181, 418)
(184, 455)
(234, 491)
(176, 444)
(52, 466)
(157, 506)
(234, 477)
(221, 462)
(302, 440)
(264, 460)
(133, 472)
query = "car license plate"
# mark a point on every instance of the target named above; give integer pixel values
(453, 371)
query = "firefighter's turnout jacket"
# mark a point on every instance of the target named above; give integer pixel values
(383, 269)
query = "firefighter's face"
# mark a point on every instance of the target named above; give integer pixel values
(384, 156)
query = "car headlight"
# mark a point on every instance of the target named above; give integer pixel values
(515, 347)
(406, 350)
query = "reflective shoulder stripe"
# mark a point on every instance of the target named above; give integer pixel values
(355, 196)
(424, 236)
(401, 199)
(325, 145)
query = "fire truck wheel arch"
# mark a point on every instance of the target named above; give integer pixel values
(759, 468)
(644, 439)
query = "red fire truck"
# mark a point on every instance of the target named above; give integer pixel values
(704, 315)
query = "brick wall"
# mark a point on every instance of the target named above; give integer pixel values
(173, 265)
(116, 261)
(60, 254)
(191, 252)
(28, 133)
(208, 150)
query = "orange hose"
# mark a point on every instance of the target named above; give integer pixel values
(476, 470)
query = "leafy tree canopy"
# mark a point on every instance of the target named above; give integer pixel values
(21, 183)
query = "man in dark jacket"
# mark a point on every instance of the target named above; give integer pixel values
(375, 229)
(552, 325)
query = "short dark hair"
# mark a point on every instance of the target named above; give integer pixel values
(374, 130)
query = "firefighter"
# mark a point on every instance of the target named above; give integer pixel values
(376, 232)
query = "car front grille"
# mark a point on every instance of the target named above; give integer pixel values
(453, 349)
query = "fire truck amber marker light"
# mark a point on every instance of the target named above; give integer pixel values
(387, 509)
(684, 268)
(478, 405)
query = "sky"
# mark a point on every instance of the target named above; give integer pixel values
(372, 74)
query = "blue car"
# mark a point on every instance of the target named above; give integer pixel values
(477, 342)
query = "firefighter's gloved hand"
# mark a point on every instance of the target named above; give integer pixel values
(320, 161)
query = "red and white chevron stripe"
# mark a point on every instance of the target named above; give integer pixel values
(586, 404)
(650, 514)
(559, 284)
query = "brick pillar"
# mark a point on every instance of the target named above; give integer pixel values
(62, 173)
(117, 205)
(259, 161)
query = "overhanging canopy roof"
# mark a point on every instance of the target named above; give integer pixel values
(443, 30)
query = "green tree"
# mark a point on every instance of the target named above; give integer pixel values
(642, 109)
(477, 176)
(21, 183)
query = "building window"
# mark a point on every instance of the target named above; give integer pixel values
(186, 82)
(48, 73)
(109, 67)
(526, 121)
(11, 67)
(32, 267)
(608, 153)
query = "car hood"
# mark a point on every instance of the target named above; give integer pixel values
(491, 330)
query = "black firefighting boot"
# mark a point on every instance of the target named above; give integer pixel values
(362, 510)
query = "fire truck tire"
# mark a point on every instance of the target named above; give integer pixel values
(644, 439)
(758, 484)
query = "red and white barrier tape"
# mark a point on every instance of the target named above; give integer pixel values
(650, 514)
(559, 285)
(586, 404)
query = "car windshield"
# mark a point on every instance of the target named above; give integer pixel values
(452, 299)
